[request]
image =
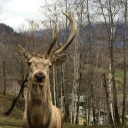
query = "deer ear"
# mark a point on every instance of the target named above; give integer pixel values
(24, 54)
(59, 59)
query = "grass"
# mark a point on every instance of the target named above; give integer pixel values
(66, 125)
(119, 74)
(9, 127)
(10, 121)
(15, 119)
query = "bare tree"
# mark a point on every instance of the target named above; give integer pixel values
(111, 10)
(125, 71)
(18, 96)
(107, 99)
(4, 51)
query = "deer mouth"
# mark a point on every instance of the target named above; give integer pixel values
(38, 83)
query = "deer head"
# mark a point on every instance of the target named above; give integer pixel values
(39, 64)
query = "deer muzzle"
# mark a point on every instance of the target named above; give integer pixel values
(39, 77)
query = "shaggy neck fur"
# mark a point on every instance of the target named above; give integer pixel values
(39, 92)
(39, 106)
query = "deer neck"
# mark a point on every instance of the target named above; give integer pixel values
(39, 104)
(39, 93)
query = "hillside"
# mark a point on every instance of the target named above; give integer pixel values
(12, 36)
(6, 29)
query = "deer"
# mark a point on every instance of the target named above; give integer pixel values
(39, 109)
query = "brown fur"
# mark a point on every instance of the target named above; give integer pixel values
(39, 111)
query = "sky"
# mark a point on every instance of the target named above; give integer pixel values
(14, 12)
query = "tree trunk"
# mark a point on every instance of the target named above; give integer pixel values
(16, 99)
(90, 68)
(62, 90)
(88, 104)
(110, 91)
(4, 75)
(54, 85)
(79, 89)
(63, 95)
(110, 121)
(66, 93)
(125, 71)
(75, 83)
(57, 88)
(116, 112)
(111, 45)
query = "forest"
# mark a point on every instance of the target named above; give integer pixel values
(90, 86)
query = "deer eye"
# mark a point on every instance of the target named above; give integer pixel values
(45, 57)
(29, 63)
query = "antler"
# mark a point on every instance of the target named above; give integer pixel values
(54, 40)
(72, 36)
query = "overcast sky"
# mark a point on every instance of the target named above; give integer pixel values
(14, 12)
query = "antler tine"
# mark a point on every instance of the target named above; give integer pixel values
(54, 40)
(72, 35)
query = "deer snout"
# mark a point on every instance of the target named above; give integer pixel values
(40, 77)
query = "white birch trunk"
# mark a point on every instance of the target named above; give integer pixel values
(54, 85)
(99, 116)
(73, 94)
(61, 100)
(75, 84)
(62, 85)
(87, 116)
(110, 91)
(75, 81)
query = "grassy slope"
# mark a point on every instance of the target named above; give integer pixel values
(15, 119)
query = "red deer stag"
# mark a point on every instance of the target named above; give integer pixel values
(39, 110)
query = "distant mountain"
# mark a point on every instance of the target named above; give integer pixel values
(98, 34)
(6, 29)
(7, 35)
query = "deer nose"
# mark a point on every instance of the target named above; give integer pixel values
(39, 77)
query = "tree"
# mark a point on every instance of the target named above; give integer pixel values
(18, 96)
(110, 26)
(90, 63)
(79, 87)
(125, 71)
(4, 51)
(107, 99)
